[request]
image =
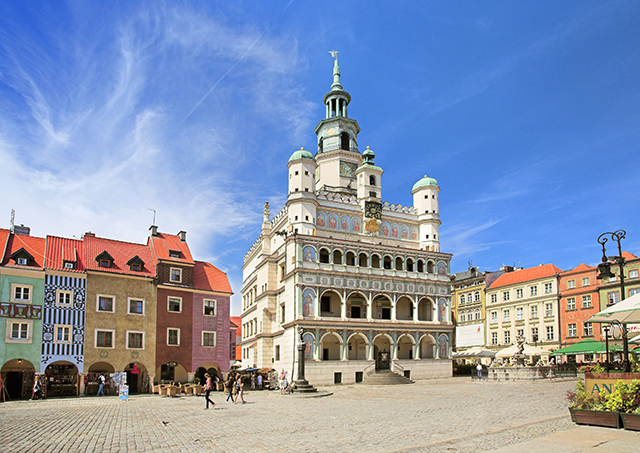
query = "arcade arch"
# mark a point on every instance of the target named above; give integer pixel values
(330, 304)
(425, 309)
(357, 347)
(331, 345)
(404, 309)
(405, 347)
(356, 306)
(427, 347)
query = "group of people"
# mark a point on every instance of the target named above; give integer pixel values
(233, 387)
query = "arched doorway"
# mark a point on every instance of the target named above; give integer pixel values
(427, 347)
(62, 379)
(357, 347)
(93, 378)
(212, 368)
(331, 345)
(382, 351)
(171, 372)
(137, 378)
(356, 306)
(404, 309)
(381, 307)
(17, 378)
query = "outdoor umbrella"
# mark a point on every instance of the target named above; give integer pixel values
(588, 346)
(625, 312)
(475, 352)
(528, 350)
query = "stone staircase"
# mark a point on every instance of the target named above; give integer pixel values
(386, 377)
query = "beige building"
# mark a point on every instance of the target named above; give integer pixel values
(364, 279)
(524, 303)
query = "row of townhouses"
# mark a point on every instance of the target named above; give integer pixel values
(548, 307)
(77, 309)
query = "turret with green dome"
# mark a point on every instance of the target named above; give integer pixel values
(424, 182)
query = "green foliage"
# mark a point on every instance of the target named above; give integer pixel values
(623, 398)
(196, 380)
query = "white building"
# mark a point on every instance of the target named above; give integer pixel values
(365, 280)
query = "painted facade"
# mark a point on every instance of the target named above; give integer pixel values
(21, 299)
(364, 279)
(524, 302)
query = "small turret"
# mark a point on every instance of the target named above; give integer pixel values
(302, 198)
(425, 201)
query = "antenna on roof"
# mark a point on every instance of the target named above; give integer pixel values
(13, 216)
(154, 215)
(470, 262)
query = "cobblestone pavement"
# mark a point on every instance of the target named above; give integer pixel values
(429, 416)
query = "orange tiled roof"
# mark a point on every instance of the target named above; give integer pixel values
(4, 239)
(580, 268)
(208, 277)
(33, 245)
(121, 253)
(629, 256)
(162, 243)
(237, 320)
(525, 275)
(60, 250)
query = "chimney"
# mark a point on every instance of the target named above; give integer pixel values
(183, 236)
(154, 230)
(507, 268)
(21, 230)
(88, 234)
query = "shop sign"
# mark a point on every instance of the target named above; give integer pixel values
(124, 392)
(597, 385)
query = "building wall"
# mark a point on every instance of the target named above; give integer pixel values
(182, 353)
(218, 355)
(575, 308)
(122, 287)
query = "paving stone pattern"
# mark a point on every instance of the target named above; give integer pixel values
(435, 415)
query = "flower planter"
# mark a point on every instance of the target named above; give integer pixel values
(596, 418)
(630, 421)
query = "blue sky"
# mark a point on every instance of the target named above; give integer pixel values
(525, 112)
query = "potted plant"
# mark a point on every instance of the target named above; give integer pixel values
(591, 409)
(630, 412)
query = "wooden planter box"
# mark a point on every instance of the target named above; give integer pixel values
(595, 418)
(630, 421)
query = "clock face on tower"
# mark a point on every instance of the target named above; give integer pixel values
(373, 210)
(348, 169)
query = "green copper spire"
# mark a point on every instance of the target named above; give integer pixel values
(336, 86)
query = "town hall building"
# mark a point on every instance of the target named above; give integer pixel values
(363, 278)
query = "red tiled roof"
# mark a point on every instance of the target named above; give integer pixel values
(237, 320)
(33, 245)
(525, 275)
(4, 239)
(60, 250)
(121, 253)
(580, 268)
(162, 243)
(629, 256)
(208, 277)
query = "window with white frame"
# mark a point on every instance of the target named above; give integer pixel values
(174, 304)
(106, 303)
(209, 339)
(21, 293)
(476, 296)
(633, 273)
(613, 297)
(104, 338)
(520, 332)
(549, 333)
(173, 336)
(534, 334)
(505, 296)
(634, 291)
(175, 275)
(612, 278)
(519, 314)
(22, 261)
(588, 329)
(572, 330)
(136, 306)
(533, 291)
(548, 288)
(462, 299)
(64, 298)
(494, 337)
(19, 331)
(534, 312)
(462, 317)
(571, 303)
(548, 310)
(571, 284)
(494, 298)
(506, 315)
(494, 317)
(135, 340)
(519, 293)
(586, 301)
(469, 298)
(62, 334)
(507, 337)
(209, 307)
(585, 281)
(477, 314)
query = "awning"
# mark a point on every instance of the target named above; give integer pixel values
(528, 351)
(625, 312)
(475, 352)
(588, 346)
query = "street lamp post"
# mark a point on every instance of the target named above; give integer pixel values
(606, 342)
(604, 271)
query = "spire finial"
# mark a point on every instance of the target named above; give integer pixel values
(336, 86)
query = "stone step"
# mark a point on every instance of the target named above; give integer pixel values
(386, 377)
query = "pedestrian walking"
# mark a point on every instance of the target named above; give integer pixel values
(207, 391)
(239, 391)
(102, 380)
(253, 381)
(479, 368)
(259, 381)
(234, 392)
(230, 386)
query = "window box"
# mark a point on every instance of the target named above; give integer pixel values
(595, 418)
(630, 421)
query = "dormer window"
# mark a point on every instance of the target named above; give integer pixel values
(105, 260)
(175, 254)
(22, 257)
(68, 265)
(135, 264)
(176, 275)
(22, 261)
